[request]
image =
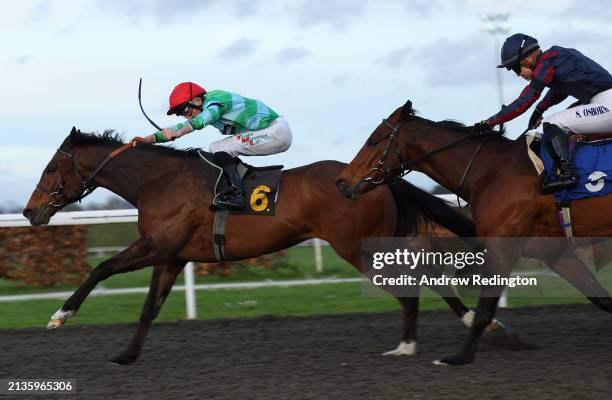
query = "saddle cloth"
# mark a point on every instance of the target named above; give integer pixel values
(261, 184)
(593, 161)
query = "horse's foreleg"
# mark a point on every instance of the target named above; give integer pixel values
(498, 263)
(139, 255)
(487, 304)
(161, 283)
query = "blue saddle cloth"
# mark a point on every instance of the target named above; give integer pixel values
(593, 161)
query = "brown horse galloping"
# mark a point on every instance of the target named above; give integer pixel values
(497, 178)
(170, 190)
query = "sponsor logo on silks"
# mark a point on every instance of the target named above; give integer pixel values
(253, 139)
(596, 181)
(245, 138)
(594, 111)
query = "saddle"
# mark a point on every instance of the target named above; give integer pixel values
(592, 155)
(261, 184)
(595, 137)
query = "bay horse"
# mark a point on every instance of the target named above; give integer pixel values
(496, 177)
(170, 190)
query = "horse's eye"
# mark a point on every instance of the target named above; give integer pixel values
(51, 170)
(372, 142)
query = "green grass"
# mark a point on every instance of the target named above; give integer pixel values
(224, 303)
(230, 303)
(112, 234)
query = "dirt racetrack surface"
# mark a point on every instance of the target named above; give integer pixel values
(324, 357)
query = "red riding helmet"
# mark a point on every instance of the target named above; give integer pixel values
(182, 93)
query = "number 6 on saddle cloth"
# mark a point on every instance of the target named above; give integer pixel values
(261, 184)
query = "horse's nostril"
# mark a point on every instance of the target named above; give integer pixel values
(27, 213)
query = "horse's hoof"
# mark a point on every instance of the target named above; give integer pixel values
(404, 349)
(55, 323)
(59, 318)
(468, 318)
(495, 325)
(457, 360)
(124, 359)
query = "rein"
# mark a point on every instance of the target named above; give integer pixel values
(87, 185)
(469, 166)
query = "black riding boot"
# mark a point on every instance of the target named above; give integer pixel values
(560, 145)
(232, 196)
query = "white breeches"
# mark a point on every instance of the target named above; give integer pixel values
(595, 117)
(274, 139)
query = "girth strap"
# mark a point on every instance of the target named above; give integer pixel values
(219, 222)
(565, 219)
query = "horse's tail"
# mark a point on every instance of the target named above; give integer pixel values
(418, 209)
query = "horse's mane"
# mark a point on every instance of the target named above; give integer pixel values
(108, 137)
(112, 138)
(410, 113)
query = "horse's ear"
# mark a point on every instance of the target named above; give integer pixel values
(74, 132)
(406, 111)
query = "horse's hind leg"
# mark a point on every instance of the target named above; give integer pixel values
(139, 255)
(578, 274)
(410, 308)
(410, 313)
(161, 283)
(410, 305)
(454, 302)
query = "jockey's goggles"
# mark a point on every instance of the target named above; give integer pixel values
(185, 109)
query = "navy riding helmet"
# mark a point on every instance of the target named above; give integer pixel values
(515, 48)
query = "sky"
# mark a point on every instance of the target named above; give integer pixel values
(332, 68)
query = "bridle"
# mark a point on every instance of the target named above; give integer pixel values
(392, 174)
(384, 173)
(59, 191)
(87, 186)
(378, 174)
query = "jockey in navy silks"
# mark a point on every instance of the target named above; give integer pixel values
(566, 72)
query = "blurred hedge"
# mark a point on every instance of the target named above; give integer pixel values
(46, 256)
(268, 261)
(56, 255)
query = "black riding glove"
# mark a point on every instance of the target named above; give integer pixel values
(537, 114)
(481, 127)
